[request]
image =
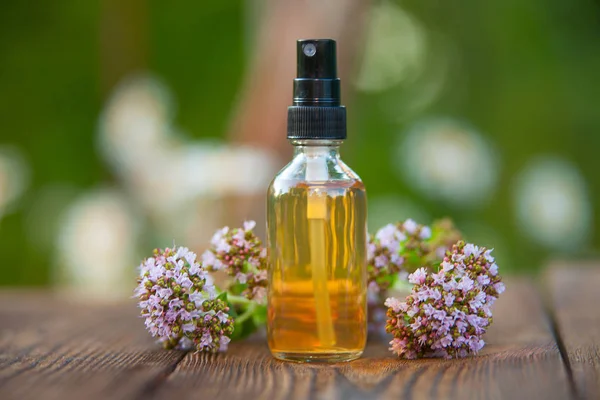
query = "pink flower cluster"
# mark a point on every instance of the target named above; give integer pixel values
(449, 311)
(240, 253)
(386, 254)
(179, 302)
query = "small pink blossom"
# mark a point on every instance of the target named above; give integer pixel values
(249, 225)
(205, 340)
(477, 301)
(493, 269)
(387, 235)
(435, 294)
(471, 249)
(417, 324)
(465, 284)
(438, 278)
(410, 226)
(394, 304)
(261, 275)
(398, 346)
(499, 286)
(241, 277)
(418, 277)
(224, 343)
(222, 246)
(371, 250)
(449, 299)
(208, 258)
(259, 294)
(447, 266)
(425, 233)
(381, 261)
(446, 341)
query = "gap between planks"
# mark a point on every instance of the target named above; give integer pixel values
(573, 295)
(550, 312)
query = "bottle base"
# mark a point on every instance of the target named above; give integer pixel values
(335, 357)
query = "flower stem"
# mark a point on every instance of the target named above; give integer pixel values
(247, 314)
(239, 300)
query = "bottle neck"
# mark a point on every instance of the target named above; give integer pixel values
(317, 148)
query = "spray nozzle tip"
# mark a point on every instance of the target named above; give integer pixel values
(317, 59)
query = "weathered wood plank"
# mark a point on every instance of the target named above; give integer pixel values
(55, 349)
(574, 295)
(521, 361)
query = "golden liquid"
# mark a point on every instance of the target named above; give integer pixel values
(317, 271)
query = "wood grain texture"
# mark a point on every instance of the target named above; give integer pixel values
(522, 361)
(56, 349)
(574, 297)
(52, 348)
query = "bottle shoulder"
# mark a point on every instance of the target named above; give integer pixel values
(349, 171)
(330, 169)
(333, 173)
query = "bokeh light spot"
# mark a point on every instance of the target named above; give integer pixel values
(552, 204)
(96, 245)
(448, 161)
(395, 49)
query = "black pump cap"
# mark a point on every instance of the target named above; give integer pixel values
(317, 83)
(316, 59)
(316, 112)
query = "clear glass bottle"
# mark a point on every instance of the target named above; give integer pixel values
(316, 217)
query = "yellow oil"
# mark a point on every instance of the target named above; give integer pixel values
(317, 270)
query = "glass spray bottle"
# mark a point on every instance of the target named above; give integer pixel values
(316, 216)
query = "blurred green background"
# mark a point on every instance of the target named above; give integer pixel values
(483, 111)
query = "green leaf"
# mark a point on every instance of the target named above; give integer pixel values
(260, 316)
(390, 279)
(413, 258)
(222, 296)
(243, 330)
(238, 288)
(232, 311)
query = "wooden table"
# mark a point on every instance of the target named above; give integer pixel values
(544, 344)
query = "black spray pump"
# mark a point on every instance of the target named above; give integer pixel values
(316, 112)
